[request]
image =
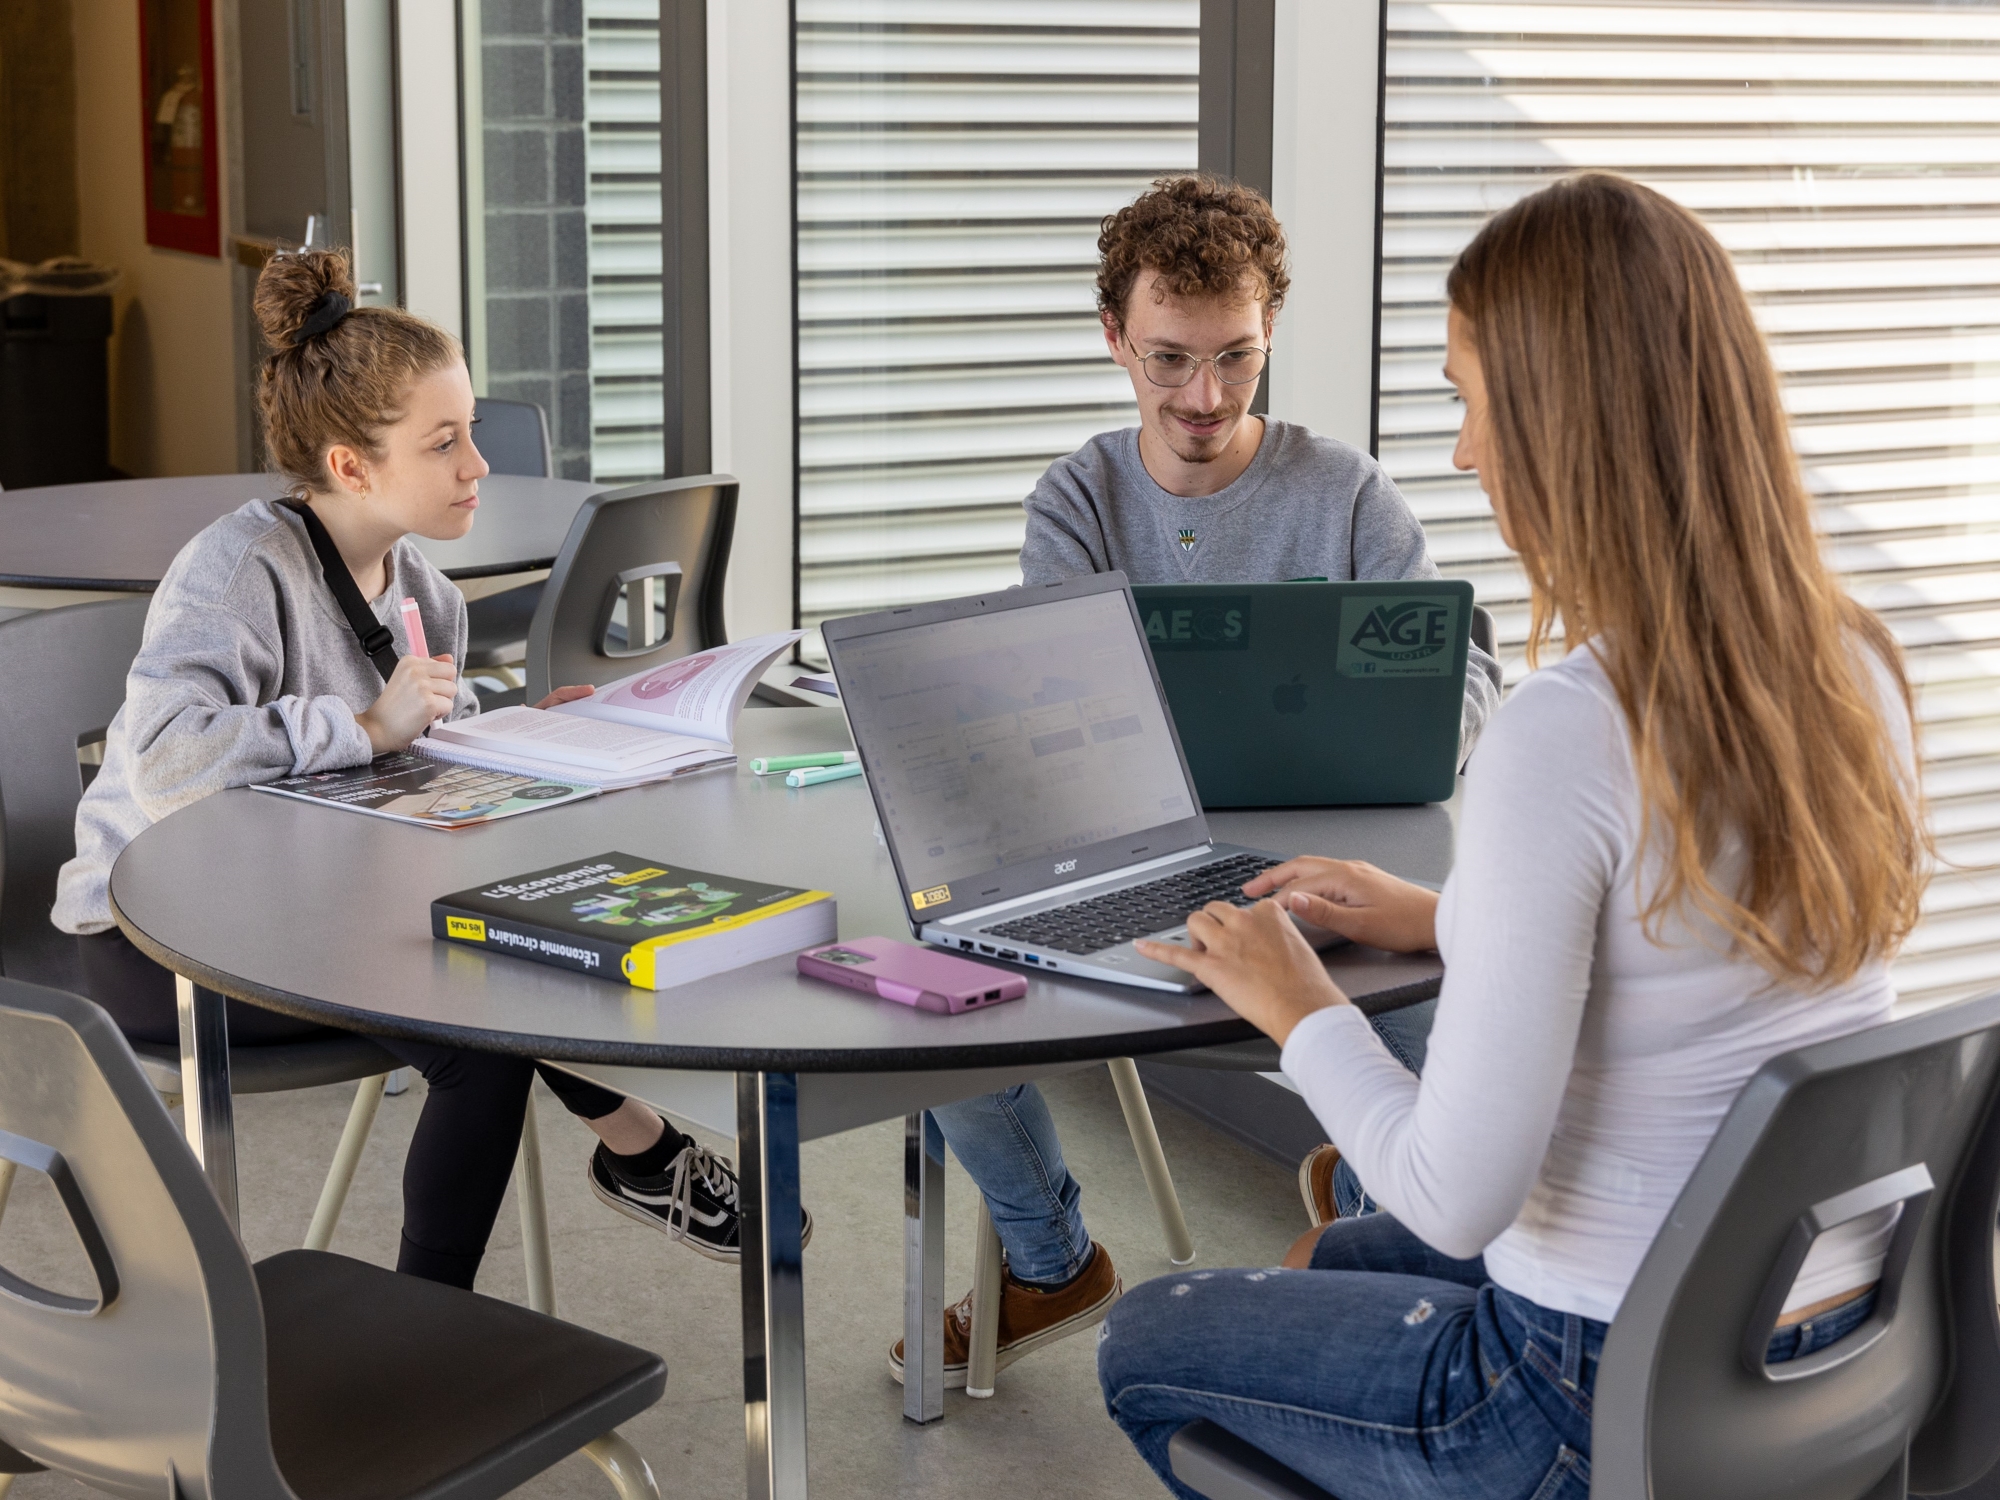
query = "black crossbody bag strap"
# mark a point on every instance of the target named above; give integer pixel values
(377, 643)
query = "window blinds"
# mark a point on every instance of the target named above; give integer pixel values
(1848, 155)
(954, 160)
(621, 240)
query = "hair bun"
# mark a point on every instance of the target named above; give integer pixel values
(294, 283)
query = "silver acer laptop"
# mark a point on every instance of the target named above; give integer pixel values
(1030, 781)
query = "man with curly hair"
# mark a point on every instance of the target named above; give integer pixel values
(1190, 279)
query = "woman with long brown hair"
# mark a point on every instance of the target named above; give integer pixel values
(1689, 845)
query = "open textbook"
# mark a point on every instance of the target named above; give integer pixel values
(662, 722)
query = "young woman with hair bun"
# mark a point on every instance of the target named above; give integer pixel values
(250, 671)
(1692, 844)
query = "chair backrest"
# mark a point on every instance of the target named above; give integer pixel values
(513, 437)
(154, 1386)
(1686, 1409)
(663, 549)
(62, 679)
(1484, 636)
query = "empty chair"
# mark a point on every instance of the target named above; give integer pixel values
(62, 677)
(513, 438)
(176, 1367)
(638, 582)
(1685, 1407)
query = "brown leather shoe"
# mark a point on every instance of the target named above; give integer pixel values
(1028, 1318)
(1316, 1184)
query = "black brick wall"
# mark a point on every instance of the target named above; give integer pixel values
(537, 303)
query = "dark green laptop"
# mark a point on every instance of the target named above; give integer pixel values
(1313, 694)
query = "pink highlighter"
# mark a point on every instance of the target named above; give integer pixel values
(413, 629)
(909, 975)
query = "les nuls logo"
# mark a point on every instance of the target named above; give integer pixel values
(1390, 637)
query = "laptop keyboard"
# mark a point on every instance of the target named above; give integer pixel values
(1134, 911)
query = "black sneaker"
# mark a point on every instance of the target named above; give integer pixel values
(694, 1200)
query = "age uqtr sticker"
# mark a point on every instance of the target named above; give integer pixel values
(1391, 637)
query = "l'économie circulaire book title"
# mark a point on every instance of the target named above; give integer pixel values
(644, 921)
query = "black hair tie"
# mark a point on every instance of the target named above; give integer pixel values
(325, 316)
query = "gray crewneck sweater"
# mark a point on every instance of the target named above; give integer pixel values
(248, 672)
(1307, 507)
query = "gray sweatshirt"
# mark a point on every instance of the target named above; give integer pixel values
(1307, 507)
(248, 672)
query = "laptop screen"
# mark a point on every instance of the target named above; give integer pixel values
(1013, 737)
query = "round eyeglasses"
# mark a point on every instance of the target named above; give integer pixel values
(1172, 368)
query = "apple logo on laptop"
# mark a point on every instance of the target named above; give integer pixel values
(1289, 697)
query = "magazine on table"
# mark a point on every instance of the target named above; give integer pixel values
(432, 794)
(663, 722)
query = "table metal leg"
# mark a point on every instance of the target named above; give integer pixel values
(207, 1112)
(774, 1334)
(923, 1268)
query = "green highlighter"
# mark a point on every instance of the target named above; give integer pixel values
(771, 765)
(816, 775)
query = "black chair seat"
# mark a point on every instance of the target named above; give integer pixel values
(497, 627)
(50, 958)
(1213, 1461)
(385, 1387)
(338, 1057)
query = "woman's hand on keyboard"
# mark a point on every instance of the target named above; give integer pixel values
(1256, 959)
(1354, 899)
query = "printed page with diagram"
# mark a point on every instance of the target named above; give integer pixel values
(699, 695)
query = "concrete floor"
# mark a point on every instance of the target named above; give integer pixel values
(1044, 1433)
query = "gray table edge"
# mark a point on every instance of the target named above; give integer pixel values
(743, 1059)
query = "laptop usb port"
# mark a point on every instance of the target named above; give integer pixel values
(1009, 953)
(1031, 958)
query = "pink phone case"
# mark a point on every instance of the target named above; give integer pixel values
(910, 975)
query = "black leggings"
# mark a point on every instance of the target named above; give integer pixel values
(462, 1154)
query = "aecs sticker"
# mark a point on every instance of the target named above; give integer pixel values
(937, 895)
(470, 928)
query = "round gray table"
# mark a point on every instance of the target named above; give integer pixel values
(294, 907)
(120, 535)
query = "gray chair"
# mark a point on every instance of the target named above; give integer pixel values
(1685, 1407)
(176, 1367)
(513, 437)
(1484, 636)
(62, 677)
(638, 582)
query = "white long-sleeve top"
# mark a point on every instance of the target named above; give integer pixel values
(1577, 1069)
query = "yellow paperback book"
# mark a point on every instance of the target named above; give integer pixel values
(648, 922)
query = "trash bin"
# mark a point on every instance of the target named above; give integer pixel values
(55, 393)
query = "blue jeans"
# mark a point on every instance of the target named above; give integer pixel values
(1008, 1146)
(1386, 1372)
(1407, 1034)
